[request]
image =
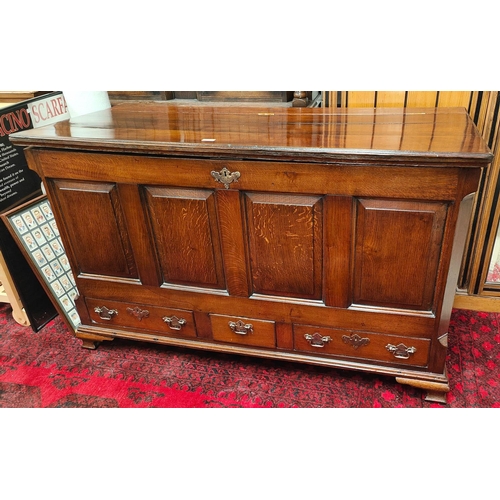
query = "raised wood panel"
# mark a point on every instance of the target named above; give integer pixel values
(93, 217)
(397, 252)
(285, 242)
(184, 225)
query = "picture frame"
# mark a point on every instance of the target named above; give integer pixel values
(34, 229)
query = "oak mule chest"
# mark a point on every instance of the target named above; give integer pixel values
(319, 235)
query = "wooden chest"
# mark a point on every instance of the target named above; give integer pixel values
(311, 235)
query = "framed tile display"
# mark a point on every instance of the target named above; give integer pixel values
(35, 230)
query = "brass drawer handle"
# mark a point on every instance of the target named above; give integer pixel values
(138, 312)
(317, 340)
(240, 327)
(174, 322)
(400, 351)
(225, 176)
(105, 313)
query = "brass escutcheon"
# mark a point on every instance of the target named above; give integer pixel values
(138, 312)
(225, 177)
(355, 340)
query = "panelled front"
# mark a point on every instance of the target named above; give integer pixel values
(357, 247)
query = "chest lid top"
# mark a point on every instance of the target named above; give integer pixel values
(272, 133)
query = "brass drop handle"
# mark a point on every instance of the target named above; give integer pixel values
(105, 313)
(240, 327)
(174, 322)
(400, 351)
(225, 176)
(317, 340)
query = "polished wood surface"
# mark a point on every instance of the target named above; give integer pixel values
(263, 133)
(301, 234)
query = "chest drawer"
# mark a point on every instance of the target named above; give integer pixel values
(245, 331)
(362, 345)
(161, 320)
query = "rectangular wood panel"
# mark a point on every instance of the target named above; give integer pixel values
(93, 217)
(398, 246)
(285, 242)
(184, 225)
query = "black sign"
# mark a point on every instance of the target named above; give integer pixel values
(17, 181)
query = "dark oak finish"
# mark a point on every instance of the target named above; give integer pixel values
(302, 234)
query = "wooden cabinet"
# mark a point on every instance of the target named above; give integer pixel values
(310, 235)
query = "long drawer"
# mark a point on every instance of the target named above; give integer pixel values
(361, 345)
(161, 320)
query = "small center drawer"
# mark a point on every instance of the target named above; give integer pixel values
(245, 331)
(142, 317)
(364, 345)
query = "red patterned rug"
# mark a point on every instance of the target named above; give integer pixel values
(50, 369)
